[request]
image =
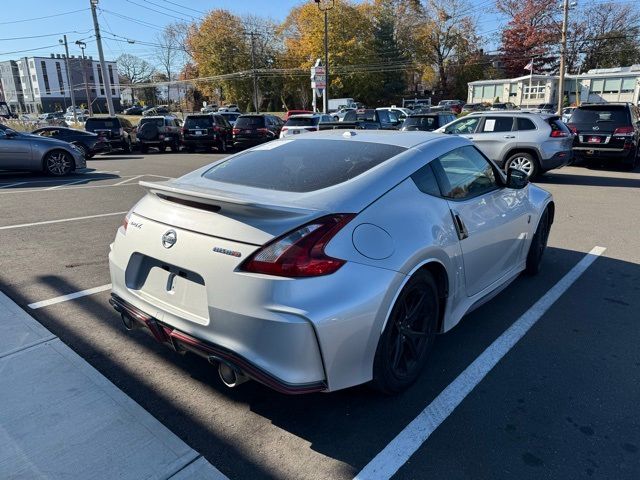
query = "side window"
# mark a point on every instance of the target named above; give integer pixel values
(383, 115)
(393, 117)
(466, 125)
(426, 181)
(525, 124)
(464, 173)
(497, 124)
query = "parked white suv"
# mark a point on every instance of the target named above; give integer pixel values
(531, 142)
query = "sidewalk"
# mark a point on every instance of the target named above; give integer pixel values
(60, 418)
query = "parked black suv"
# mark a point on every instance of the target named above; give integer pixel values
(118, 131)
(427, 122)
(607, 132)
(207, 130)
(254, 129)
(159, 132)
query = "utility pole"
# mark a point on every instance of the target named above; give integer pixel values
(103, 66)
(69, 76)
(82, 46)
(254, 72)
(563, 54)
(325, 6)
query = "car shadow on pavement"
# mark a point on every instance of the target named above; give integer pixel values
(114, 156)
(349, 426)
(589, 180)
(21, 181)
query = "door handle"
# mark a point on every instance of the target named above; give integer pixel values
(509, 136)
(461, 229)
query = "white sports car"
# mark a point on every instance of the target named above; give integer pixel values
(327, 261)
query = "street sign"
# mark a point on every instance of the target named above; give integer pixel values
(318, 78)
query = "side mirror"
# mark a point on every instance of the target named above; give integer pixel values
(516, 179)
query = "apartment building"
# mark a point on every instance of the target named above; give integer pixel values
(41, 84)
(603, 85)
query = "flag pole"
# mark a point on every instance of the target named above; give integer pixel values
(530, 80)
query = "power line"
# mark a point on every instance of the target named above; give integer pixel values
(43, 18)
(42, 36)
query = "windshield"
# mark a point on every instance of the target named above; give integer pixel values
(302, 165)
(302, 122)
(159, 122)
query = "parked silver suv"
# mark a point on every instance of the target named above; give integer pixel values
(531, 142)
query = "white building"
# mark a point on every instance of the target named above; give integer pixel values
(41, 84)
(604, 85)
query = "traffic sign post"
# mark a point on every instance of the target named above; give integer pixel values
(318, 81)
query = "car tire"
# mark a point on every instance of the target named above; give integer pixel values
(538, 244)
(126, 147)
(175, 147)
(162, 148)
(191, 149)
(57, 163)
(632, 162)
(221, 146)
(409, 335)
(144, 149)
(525, 162)
(83, 149)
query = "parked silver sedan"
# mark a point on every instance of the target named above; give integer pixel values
(23, 151)
(326, 261)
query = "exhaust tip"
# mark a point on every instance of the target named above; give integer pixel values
(230, 376)
(128, 322)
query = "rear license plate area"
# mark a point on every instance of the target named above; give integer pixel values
(177, 290)
(594, 139)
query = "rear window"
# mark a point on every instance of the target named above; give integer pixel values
(360, 115)
(201, 121)
(428, 123)
(605, 114)
(102, 123)
(302, 122)
(159, 122)
(250, 122)
(302, 165)
(231, 116)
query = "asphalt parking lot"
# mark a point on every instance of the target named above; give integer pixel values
(562, 403)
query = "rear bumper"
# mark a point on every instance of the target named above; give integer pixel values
(558, 160)
(602, 153)
(200, 141)
(182, 342)
(250, 142)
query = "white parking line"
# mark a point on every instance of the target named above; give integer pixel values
(22, 225)
(127, 180)
(70, 296)
(55, 187)
(13, 184)
(401, 448)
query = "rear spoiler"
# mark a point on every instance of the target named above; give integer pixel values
(221, 200)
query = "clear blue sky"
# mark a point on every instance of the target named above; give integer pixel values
(153, 14)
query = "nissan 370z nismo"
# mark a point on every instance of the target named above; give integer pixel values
(327, 261)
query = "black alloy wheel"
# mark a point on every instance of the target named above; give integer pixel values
(58, 163)
(408, 336)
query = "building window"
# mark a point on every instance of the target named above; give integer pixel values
(110, 68)
(100, 80)
(45, 77)
(113, 91)
(36, 91)
(31, 64)
(33, 78)
(597, 86)
(60, 80)
(513, 90)
(612, 85)
(536, 91)
(489, 91)
(628, 85)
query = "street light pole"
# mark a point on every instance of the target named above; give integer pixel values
(103, 66)
(82, 46)
(69, 76)
(563, 54)
(325, 6)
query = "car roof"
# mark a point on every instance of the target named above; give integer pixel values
(388, 137)
(306, 115)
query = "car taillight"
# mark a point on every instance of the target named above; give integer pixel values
(573, 128)
(235, 131)
(300, 253)
(125, 221)
(558, 133)
(626, 131)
